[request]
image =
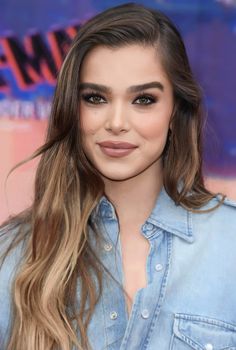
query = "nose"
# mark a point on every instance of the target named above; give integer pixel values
(117, 120)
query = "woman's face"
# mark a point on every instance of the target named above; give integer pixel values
(124, 123)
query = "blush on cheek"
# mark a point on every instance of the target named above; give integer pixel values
(154, 131)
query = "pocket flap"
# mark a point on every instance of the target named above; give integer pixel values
(204, 333)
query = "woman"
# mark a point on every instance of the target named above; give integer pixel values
(123, 247)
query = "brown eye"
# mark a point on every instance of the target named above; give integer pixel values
(92, 98)
(145, 100)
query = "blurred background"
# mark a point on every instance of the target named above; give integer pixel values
(34, 37)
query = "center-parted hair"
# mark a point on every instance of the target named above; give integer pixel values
(49, 313)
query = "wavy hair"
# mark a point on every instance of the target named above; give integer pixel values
(55, 229)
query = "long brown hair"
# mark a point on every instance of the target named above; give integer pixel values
(55, 229)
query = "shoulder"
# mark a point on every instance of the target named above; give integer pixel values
(218, 218)
(230, 203)
(10, 234)
(12, 245)
(9, 264)
(227, 212)
(218, 206)
(11, 252)
(10, 261)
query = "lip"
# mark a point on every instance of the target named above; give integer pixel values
(116, 149)
(117, 145)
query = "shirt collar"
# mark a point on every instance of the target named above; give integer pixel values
(171, 217)
(165, 215)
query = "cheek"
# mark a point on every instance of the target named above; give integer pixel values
(154, 126)
(89, 120)
(154, 129)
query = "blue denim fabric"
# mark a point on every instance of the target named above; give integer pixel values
(190, 298)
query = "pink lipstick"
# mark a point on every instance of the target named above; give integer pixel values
(116, 148)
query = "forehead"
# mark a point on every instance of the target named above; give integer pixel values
(130, 64)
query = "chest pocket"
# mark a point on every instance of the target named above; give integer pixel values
(202, 333)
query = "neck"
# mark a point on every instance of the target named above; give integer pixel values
(134, 198)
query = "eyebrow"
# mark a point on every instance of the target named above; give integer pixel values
(131, 89)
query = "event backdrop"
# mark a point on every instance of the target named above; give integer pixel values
(34, 37)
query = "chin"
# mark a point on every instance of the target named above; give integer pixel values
(118, 175)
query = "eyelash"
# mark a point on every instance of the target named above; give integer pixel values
(87, 96)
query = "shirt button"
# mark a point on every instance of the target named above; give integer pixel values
(149, 226)
(159, 267)
(209, 346)
(113, 315)
(107, 247)
(145, 313)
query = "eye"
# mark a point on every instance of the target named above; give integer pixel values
(145, 99)
(92, 98)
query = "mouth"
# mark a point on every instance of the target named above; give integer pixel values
(116, 149)
(117, 145)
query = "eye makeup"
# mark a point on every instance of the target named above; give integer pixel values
(86, 97)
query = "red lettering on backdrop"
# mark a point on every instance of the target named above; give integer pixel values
(35, 60)
(60, 41)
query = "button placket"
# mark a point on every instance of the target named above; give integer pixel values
(161, 253)
(145, 313)
(209, 346)
(158, 267)
(107, 247)
(113, 315)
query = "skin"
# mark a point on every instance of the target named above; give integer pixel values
(124, 116)
(132, 182)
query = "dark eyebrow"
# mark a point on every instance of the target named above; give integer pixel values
(134, 88)
(153, 84)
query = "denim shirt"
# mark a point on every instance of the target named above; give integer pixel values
(189, 301)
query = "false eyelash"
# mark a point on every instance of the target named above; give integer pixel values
(86, 97)
(150, 97)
